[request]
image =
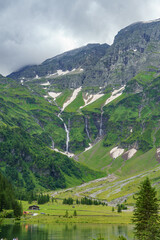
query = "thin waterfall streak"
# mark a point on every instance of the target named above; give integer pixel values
(67, 139)
(52, 144)
(101, 123)
(66, 130)
(86, 127)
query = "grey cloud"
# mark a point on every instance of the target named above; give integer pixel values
(33, 30)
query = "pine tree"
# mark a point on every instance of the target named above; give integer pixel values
(66, 214)
(75, 213)
(119, 209)
(145, 216)
(122, 238)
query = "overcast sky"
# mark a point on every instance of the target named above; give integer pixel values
(34, 30)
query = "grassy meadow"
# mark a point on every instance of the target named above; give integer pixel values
(55, 213)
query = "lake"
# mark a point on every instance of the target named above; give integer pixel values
(65, 231)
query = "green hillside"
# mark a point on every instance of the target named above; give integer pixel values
(28, 124)
(132, 122)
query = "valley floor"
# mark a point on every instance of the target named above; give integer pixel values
(111, 190)
(55, 213)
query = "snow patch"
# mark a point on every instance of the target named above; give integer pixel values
(36, 77)
(90, 98)
(115, 94)
(152, 21)
(50, 75)
(158, 154)
(45, 84)
(90, 146)
(61, 72)
(22, 81)
(158, 150)
(73, 97)
(116, 152)
(54, 94)
(130, 153)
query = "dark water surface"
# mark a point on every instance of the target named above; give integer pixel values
(65, 231)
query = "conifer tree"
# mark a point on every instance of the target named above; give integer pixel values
(122, 238)
(145, 216)
(75, 213)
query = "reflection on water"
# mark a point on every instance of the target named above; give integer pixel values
(65, 231)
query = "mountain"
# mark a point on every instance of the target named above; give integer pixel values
(98, 105)
(136, 48)
(73, 63)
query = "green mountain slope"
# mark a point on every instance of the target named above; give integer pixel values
(133, 121)
(27, 125)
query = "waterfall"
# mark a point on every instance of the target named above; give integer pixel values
(66, 130)
(101, 123)
(86, 127)
(52, 144)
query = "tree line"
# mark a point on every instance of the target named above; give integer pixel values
(83, 201)
(8, 200)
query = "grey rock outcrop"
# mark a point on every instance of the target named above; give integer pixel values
(84, 57)
(136, 48)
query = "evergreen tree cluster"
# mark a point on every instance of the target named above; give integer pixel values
(88, 201)
(121, 207)
(68, 201)
(84, 201)
(43, 199)
(7, 197)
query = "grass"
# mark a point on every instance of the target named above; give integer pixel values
(96, 105)
(116, 188)
(54, 213)
(66, 94)
(76, 104)
(136, 164)
(145, 77)
(97, 157)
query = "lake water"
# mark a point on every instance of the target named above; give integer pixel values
(65, 231)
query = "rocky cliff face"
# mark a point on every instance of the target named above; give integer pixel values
(136, 48)
(81, 58)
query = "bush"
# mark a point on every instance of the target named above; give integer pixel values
(121, 238)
